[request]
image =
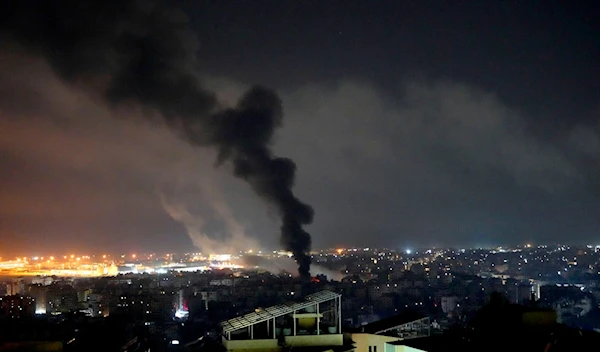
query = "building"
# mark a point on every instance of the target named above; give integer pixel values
(17, 306)
(449, 304)
(389, 334)
(314, 322)
(149, 305)
(61, 298)
(94, 306)
(15, 287)
(38, 292)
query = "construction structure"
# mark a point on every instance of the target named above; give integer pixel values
(315, 321)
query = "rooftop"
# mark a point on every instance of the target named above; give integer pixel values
(383, 325)
(277, 311)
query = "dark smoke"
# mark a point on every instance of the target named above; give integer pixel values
(144, 53)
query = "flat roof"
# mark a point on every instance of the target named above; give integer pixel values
(276, 311)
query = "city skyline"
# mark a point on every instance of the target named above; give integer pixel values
(482, 129)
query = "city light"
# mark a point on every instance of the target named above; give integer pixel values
(180, 314)
(85, 266)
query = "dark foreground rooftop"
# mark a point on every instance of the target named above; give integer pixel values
(555, 339)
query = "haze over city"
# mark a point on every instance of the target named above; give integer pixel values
(317, 176)
(405, 134)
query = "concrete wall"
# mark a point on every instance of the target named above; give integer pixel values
(273, 345)
(250, 345)
(362, 341)
(395, 348)
(315, 340)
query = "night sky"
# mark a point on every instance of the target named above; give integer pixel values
(426, 123)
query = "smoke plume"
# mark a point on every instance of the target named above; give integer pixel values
(143, 53)
(234, 241)
(179, 203)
